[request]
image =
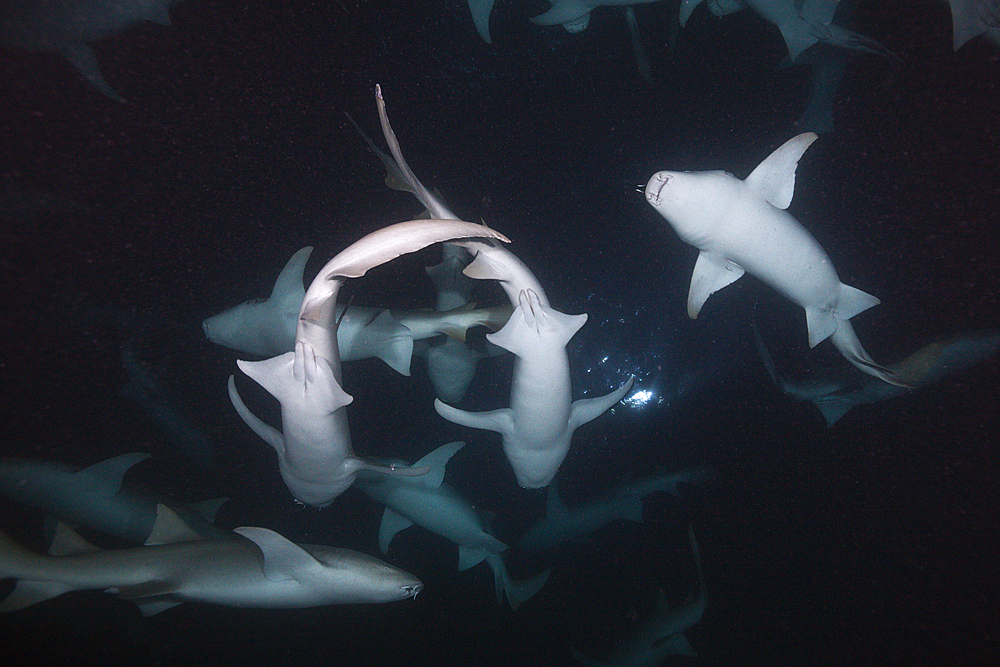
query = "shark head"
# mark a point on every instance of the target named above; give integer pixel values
(226, 328)
(690, 201)
(369, 579)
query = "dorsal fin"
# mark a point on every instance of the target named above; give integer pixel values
(290, 279)
(110, 473)
(68, 542)
(170, 528)
(283, 560)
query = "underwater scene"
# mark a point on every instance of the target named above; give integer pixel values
(500, 332)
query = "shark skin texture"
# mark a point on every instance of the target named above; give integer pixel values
(742, 227)
(429, 503)
(258, 569)
(97, 498)
(65, 27)
(662, 633)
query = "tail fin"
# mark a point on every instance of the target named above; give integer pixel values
(517, 592)
(847, 343)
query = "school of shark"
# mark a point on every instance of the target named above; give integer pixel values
(314, 308)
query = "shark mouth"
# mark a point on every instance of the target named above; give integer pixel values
(655, 187)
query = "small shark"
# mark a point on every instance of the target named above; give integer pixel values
(264, 570)
(835, 392)
(190, 440)
(802, 23)
(972, 18)
(574, 15)
(661, 635)
(429, 503)
(65, 27)
(564, 524)
(96, 498)
(742, 226)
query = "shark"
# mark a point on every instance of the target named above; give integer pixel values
(97, 498)
(66, 26)
(802, 23)
(742, 226)
(660, 635)
(427, 502)
(266, 327)
(564, 524)
(190, 439)
(315, 455)
(574, 15)
(259, 569)
(836, 391)
(972, 18)
(538, 427)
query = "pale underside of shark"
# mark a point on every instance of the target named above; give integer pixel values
(574, 15)
(263, 570)
(660, 635)
(315, 455)
(66, 26)
(741, 227)
(802, 24)
(96, 498)
(430, 504)
(539, 425)
(972, 18)
(566, 524)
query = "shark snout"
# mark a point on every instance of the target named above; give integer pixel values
(654, 187)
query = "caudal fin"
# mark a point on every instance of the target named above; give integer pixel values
(847, 343)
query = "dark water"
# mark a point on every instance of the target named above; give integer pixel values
(873, 542)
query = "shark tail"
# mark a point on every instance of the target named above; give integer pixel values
(847, 343)
(395, 343)
(517, 592)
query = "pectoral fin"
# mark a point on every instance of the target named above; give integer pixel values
(588, 409)
(392, 523)
(711, 273)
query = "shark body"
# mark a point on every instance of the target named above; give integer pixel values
(66, 26)
(263, 570)
(741, 226)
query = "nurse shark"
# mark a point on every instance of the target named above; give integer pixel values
(742, 226)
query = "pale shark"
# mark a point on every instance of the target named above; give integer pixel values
(429, 503)
(65, 27)
(263, 570)
(801, 23)
(742, 226)
(660, 635)
(538, 427)
(316, 459)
